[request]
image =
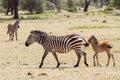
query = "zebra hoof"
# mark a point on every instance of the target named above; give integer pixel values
(40, 66)
(76, 66)
(58, 66)
(87, 65)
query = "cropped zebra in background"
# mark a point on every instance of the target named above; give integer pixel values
(60, 44)
(12, 29)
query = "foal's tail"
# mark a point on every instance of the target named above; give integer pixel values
(110, 46)
(86, 43)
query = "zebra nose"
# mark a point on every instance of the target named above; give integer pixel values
(26, 44)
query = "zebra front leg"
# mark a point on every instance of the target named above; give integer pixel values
(43, 57)
(16, 36)
(79, 57)
(55, 55)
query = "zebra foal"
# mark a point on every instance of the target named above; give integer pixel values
(12, 29)
(60, 44)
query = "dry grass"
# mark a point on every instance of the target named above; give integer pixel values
(20, 63)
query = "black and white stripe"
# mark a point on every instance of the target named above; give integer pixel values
(60, 44)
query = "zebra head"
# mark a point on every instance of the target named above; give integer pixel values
(36, 36)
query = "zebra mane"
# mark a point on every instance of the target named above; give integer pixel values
(95, 39)
(16, 24)
(38, 32)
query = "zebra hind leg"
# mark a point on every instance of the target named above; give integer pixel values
(56, 57)
(79, 57)
(85, 59)
(10, 37)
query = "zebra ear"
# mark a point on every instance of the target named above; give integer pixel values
(32, 32)
(35, 32)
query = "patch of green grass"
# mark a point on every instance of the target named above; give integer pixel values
(67, 15)
(104, 21)
(28, 16)
(92, 27)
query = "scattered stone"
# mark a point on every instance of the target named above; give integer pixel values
(42, 74)
(25, 64)
(29, 73)
(8, 62)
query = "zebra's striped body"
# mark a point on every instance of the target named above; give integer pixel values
(12, 29)
(63, 44)
(60, 44)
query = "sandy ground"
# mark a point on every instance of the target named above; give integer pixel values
(18, 62)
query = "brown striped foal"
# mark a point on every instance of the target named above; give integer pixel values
(101, 47)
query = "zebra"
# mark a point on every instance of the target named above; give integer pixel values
(60, 44)
(12, 29)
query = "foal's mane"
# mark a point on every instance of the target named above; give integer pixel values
(95, 39)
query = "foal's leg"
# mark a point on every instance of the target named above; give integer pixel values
(94, 59)
(97, 59)
(43, 57)
(113, 60)
(85, 59)
(55, 55)
(108, 54)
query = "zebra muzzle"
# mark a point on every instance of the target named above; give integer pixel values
(26, 44)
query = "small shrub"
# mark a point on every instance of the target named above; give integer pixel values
(66, 15)
(72, 10)
(87, 14)
(108, 10)
(21, 17)
(104, 21)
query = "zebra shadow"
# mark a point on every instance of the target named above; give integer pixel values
(55, 68)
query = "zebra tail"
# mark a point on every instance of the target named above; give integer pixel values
(86, 43)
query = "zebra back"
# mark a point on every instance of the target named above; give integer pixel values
(58, 43)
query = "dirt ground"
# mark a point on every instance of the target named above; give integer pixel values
(18, 62)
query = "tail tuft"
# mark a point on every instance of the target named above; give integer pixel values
(110, 46)
(86, 44)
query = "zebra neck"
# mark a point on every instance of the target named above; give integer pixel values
(15, 26)
(41, 40)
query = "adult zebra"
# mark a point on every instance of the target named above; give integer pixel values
(12, 28)
(61, 44)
